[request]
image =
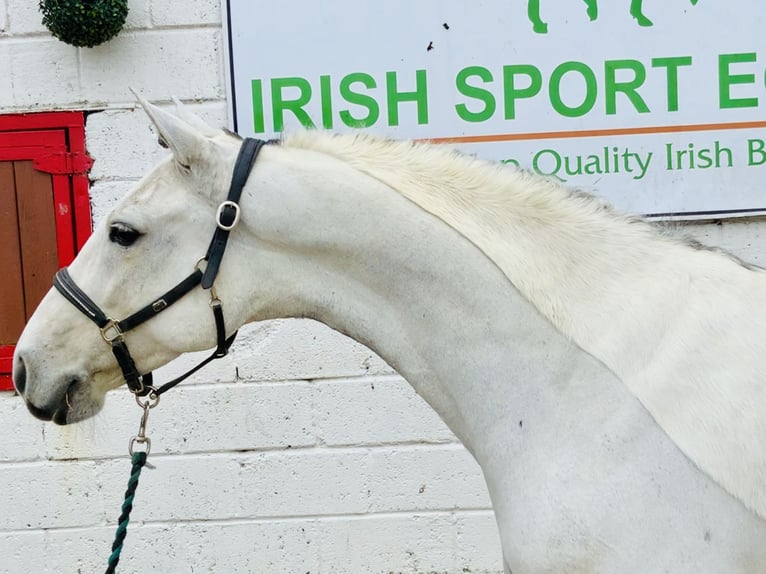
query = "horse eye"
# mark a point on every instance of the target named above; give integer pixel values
(122, 234)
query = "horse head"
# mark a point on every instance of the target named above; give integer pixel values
(150, 241)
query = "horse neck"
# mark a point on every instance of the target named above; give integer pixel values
(335, 244)
(574, 260)
(644, 305)
(342, 248)
(609, 283)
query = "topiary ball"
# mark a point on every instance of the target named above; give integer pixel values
(84, 22)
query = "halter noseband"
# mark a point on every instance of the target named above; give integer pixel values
(113, 331)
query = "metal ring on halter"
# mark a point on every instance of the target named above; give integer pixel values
(151, 401)
(111, 332)
(218, 214)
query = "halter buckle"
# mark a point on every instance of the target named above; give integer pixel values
(219, 214)
(111, 332)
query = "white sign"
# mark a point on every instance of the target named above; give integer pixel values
(658, 106)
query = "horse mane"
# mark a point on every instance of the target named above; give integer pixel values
(419, 169)
(467, 192)
(431, 174)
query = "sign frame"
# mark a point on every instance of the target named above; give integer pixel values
(674, 132)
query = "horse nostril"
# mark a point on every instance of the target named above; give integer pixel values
(19, 375)
(44, 414)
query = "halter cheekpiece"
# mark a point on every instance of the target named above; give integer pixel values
(113, 331)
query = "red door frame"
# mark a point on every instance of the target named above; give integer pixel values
(55, 141)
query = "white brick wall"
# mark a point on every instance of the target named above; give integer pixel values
(300, 452)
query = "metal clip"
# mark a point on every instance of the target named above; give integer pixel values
(141, 439)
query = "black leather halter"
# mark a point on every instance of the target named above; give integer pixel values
(113, 331)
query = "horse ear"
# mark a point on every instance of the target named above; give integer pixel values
(183, 139)
(193, 119)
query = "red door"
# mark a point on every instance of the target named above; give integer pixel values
(44, 213)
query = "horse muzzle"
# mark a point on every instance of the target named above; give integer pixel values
(58, 406)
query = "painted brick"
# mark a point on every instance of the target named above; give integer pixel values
(191, 12)
(425, 478)
(25, 18)
(241, 417)
(223, 370)
(3, 17)
(264, 485)
(122, 144)
(187, 61)
(44, 73)
(104, 194)
(6, 77)
(376, 411)
(45, 495)
(478, 542)
(303, 349)
(22, 434)
(189, 547)
(415, 544)
(277, 484)
(745, 238)
(139, 15)
(266, 546)
(217, 418)
(315, 482)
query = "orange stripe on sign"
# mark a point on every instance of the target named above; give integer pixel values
(598, 133)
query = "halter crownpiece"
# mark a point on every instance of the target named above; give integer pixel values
(113, 331)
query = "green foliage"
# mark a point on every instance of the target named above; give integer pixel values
(84, 22)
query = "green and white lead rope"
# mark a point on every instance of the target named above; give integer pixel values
(138, 460)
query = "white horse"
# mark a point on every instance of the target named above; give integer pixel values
(607, 378)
